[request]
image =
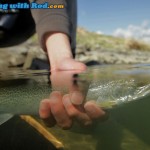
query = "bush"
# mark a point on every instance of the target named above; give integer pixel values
(137, 45)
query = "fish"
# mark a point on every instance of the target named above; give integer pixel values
(21, 91)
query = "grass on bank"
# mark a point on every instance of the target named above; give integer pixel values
(90, 41)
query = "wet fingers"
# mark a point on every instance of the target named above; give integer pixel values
(45, 113)
(59, 112)
(75, 112)
(93, 111)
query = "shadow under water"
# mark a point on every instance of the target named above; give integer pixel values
(16, 134)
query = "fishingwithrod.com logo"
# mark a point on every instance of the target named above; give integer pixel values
(32, 5)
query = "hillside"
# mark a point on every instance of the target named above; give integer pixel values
(91, 40)
(90, 47)
(110, 50)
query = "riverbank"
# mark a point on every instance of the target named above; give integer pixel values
(90, 47)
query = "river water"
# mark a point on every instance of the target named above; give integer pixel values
(122, 90)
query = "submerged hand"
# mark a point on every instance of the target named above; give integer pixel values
(59, 110)
(64, 107)
(66, 103)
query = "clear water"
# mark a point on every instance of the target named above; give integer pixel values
(123, 90)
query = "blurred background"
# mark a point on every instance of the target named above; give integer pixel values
(109, 32)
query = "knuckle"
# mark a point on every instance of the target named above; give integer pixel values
(72, 113)
(44, 101)
(56, 112)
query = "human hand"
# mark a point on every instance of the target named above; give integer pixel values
(66, 103)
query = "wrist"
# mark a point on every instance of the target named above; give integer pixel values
(58, 44)
(58, 48)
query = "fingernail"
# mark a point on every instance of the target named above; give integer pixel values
(93, 110)
(76, 98)
(97, 109)
(44, 105)
(66, 100)
(55, 96)
(90, 109)
(44, 109)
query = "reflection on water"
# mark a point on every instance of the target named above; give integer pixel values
(127, 128)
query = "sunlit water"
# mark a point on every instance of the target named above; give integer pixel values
(122, 90)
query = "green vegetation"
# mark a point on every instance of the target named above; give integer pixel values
(91, 40)
(138, 45)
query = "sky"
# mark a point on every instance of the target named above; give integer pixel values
(115, 17)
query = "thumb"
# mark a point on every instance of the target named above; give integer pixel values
(76, 97)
